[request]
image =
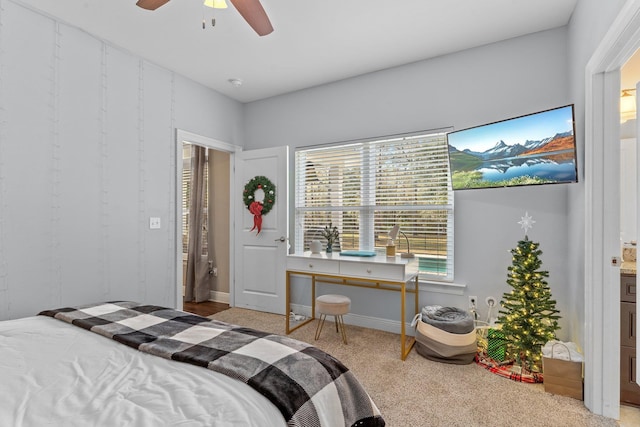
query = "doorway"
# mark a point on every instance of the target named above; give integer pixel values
(216, 244)
(629, 76)
(602, 223)
(205, 231)
(629, 388)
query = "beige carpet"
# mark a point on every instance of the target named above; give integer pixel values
(419, 392)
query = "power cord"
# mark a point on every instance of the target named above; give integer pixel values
(491, 302)
(296, 317)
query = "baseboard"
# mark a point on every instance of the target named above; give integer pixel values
(217, 296)
(378, 323)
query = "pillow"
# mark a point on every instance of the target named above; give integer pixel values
(450, 319)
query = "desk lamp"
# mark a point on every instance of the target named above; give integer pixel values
(393, 235)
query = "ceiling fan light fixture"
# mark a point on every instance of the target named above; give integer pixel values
(216, 4)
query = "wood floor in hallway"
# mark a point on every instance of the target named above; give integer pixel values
(205, 308)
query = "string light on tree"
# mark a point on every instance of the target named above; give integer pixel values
(528, 316)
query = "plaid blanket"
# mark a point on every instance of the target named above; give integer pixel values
(309, 387)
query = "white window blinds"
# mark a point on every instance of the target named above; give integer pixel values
(365, 188)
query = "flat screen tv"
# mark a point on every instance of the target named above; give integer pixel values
(534, 149)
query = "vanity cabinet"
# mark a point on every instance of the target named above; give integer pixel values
(629, 390)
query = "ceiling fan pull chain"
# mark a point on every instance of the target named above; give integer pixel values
(204, 22)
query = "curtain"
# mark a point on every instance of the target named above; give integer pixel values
(197, 285)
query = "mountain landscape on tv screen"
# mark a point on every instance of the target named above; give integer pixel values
(550, 160)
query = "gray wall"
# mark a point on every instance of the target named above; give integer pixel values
(589, 24)
(86, 156)
(87, 134)
(469, 88)
(220, 167)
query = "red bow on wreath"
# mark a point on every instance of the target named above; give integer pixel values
(256, 209)
(259, 208)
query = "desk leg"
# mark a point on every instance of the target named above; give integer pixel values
(403, 295)
(417, 297)
(407, 345)
(288, 302)
(313, 297)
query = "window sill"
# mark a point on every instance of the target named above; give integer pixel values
(442, 287)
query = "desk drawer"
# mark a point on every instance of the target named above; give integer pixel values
(373, 271)
(313, 265)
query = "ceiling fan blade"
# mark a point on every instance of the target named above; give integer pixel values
(253, 12)
(151, 4)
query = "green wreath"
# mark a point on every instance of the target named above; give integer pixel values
(260, 183)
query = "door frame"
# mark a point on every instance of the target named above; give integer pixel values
(602, 211)
(183, 136)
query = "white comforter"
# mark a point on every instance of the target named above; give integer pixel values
(56, 374)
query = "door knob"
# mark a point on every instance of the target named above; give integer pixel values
(281, 239)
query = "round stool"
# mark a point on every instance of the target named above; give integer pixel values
(336, 306)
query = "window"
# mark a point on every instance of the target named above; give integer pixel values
(366, 187)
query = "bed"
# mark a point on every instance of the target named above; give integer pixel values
(118, 363)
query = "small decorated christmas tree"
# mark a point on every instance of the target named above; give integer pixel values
(528, 316)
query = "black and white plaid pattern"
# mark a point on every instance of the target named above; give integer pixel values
(309, 387)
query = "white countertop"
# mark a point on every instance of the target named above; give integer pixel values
(378, 259)
(628, 267)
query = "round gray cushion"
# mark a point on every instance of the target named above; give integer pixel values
(451, 319)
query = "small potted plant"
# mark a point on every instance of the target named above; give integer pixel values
(331, 234)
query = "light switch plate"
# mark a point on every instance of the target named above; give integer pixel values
(154, 223)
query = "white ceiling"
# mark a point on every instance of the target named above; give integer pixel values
(314, 42)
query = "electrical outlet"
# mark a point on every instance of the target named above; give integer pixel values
(473, 301)
(491, 301)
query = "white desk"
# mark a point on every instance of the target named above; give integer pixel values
(379, 272)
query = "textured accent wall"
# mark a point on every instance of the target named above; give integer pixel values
(87, 155)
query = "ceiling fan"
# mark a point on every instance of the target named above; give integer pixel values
(251, 10)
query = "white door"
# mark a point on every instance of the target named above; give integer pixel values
(260, 257)
(637, 210)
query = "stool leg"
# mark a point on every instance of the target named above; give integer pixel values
(320, 325)
(335, 319)
(340, 320)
